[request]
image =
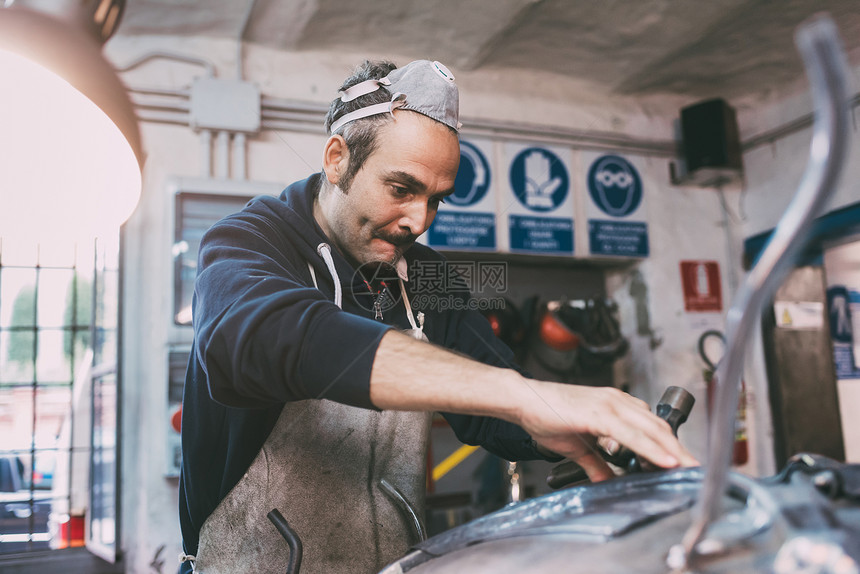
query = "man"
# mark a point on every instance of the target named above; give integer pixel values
(303, 394)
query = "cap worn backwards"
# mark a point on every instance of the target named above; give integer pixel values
(421, 86)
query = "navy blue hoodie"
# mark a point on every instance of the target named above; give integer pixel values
(265, 335)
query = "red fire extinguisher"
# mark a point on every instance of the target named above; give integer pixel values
(740, 453)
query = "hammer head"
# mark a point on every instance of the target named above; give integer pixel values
(675, 406)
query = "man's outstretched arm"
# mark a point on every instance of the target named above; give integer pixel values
(567, 419)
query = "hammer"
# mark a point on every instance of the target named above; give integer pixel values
(674, 407)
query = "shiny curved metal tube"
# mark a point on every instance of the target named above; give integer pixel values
(827, 71)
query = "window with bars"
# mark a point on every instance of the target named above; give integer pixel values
(58, 395)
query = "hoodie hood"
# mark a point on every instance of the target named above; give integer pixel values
(292, 214)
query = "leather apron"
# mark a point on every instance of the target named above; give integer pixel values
(323, 468)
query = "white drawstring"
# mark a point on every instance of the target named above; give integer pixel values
(417, 328)
(313, 275)
(325, 252)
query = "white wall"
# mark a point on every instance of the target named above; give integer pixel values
(685, 223)
(774, 170)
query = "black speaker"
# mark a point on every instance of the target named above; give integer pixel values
(710, 134)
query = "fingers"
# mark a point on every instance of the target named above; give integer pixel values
(580, 449)
(594, 466)
(652, 438)
(647, 435)
(638, 402)
(610, 445)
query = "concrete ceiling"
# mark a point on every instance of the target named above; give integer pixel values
(735, 49)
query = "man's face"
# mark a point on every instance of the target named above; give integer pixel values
(394, 196)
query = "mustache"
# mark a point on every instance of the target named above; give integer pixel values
(398, 239)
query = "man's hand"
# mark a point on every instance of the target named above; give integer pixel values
(568, 419)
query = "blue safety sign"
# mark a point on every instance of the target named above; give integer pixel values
(839, 308)
(624, 238)
(843, 359)
(541, 234)
(463, 230)
(473, 177)
(539, 179)
(614, 186)
(467, 220)
(841, 301)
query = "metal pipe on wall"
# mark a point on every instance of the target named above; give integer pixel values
(206, 153)
(279, 114)
(239, 156)
(159, 105)
(241, 39)
(222, 162)
(306, 117)
(788, 128)
(165, 55)
(163, 117)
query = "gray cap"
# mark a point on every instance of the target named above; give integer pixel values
(421, 86)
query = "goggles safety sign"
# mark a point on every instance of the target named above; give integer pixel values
(615, 208)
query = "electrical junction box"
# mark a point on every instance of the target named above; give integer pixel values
(225, 105)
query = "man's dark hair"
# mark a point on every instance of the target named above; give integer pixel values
(360, 135)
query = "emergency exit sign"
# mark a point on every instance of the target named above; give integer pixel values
(702, 288)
